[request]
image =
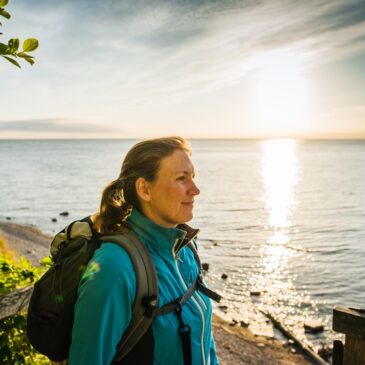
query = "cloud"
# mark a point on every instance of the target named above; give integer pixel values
(54, 126)
(121, 58)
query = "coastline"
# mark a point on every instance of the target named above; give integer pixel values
(235, 345)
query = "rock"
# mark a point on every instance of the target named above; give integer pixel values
(8, 218)
(255, 293)
(233, 323)
(244, 324)
(224, 276)
(223, 308)
(260, 344)
(205, 266)
(293, 350)
(65, 214)
(325, 352)
(215, 244)
(54, 219)
(313, 326)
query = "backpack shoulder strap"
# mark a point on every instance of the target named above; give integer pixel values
(199, 283)
(146, 300)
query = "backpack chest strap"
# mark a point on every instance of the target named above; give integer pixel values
(196, 285)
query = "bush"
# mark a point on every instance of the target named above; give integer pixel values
(14, 345)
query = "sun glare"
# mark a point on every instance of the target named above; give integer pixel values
(280, 92)
(279, 178)
(279, 171)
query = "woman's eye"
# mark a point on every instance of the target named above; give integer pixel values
(181, 178)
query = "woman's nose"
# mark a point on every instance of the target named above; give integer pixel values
(194, 190)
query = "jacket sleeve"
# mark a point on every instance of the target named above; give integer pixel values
(104, 306)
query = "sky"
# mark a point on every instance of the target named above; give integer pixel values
(200, 69)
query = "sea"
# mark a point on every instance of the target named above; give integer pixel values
(282, 221)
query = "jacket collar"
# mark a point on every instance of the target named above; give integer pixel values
(171, 239)
(191, 233)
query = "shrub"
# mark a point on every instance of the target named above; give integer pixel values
(14, 274)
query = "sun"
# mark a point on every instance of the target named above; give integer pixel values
(280, 92)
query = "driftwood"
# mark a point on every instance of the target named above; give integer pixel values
(305, 348)
(15, 301)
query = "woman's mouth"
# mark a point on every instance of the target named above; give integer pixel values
(188, 204)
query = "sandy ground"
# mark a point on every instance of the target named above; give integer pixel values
(26, 241)
(235, 345)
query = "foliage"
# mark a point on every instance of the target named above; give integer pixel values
(10, 51)
(14, 345)
(17, 274)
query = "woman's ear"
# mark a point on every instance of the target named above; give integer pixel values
(143, 189)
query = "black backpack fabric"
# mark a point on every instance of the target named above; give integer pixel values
(51, 308)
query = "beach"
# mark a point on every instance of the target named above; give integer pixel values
(235, 345)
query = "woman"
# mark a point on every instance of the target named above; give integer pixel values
(153, 194)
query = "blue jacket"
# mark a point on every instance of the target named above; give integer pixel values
(107, 290)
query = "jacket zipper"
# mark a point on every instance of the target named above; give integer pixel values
(196, 303)
(201, 300)
(176, 257)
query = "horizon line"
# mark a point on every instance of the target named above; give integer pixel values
(264, 137)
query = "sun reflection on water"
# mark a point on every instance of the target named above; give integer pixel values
(279, 178)
(279, 175)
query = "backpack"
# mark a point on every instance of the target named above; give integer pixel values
(51, 308)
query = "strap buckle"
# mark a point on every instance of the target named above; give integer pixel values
(185, 330)
(151, 305)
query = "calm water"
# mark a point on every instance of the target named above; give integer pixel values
(285, 218)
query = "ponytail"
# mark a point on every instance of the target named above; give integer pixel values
(113, 209)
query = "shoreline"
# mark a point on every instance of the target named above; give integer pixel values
(235, 345)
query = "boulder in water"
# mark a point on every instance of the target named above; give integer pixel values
(313, 326)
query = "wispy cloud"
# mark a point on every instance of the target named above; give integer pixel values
(53, 125)
(160, 47)
(113, 59)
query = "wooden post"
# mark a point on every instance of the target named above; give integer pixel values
(337, 355)
(351, 322)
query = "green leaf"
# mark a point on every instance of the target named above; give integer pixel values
(11, 60)
(29, 60)
(3, 3)
(4, 49)
(14, 44)
(30, 45)
(24, 55)
(4, 13)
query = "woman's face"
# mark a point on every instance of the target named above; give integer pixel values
(169, 199)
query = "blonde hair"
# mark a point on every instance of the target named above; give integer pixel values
(119, 197)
